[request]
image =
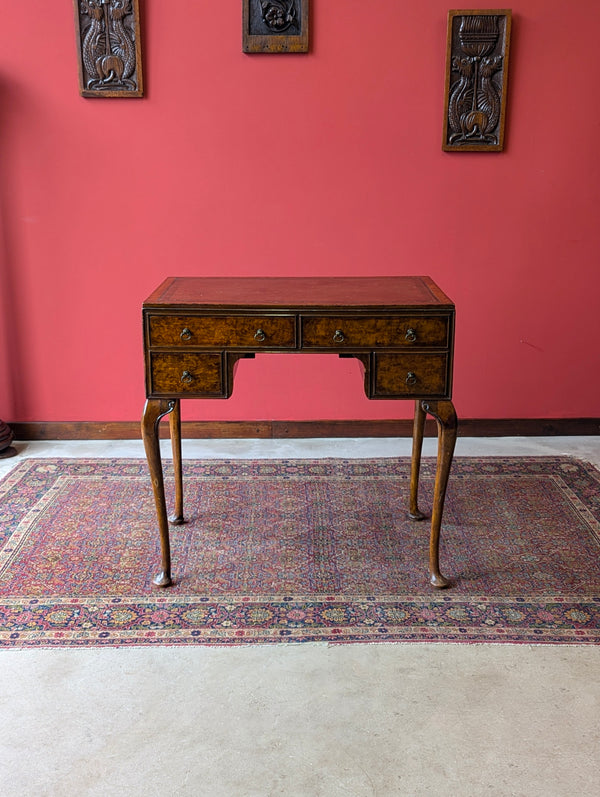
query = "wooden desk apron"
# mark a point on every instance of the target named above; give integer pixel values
(400, 328)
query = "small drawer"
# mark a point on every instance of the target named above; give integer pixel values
(218, 332)
(373, 332)
(402, 375)
(186, 374)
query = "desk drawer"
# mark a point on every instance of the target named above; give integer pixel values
(406, 375)
(186, 374)
(373, 332)
(247, 332)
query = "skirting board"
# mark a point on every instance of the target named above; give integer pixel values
(130, 430)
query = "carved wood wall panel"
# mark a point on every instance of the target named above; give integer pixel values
(275, 26)
(476, 80)
(109, 48)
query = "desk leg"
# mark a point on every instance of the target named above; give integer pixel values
(415, 467)
(153, 412)
(175, 428)
(445, 416)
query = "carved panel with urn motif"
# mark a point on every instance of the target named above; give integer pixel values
(476, 80)
(109, 48)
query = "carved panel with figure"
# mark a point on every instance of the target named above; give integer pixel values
(476, 80)
(109, 48)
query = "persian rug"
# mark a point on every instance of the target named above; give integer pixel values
(297, 551)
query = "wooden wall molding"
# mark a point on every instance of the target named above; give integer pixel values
(476, 427)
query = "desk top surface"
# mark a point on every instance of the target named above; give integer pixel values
(294, 292)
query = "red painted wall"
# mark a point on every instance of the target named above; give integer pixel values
(326, 163)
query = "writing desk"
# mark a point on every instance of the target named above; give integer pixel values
(400, 328)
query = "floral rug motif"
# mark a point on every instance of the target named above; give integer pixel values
(297, 551)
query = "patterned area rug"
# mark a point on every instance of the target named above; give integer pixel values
(296, 551)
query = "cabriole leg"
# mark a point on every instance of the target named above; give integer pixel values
(153, 412)
(445, 416)
(415, 466)
(175, 428)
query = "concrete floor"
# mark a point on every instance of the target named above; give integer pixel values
(307, 720)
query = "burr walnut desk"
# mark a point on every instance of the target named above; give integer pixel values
(400, 328)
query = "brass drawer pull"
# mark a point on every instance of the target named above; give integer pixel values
(411, 378)
(186, 334)
(187, 377)
(259, 335)
(410, 336)
(338, 336)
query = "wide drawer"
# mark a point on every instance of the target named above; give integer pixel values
(188, 373)
(401, 375)
(269, 332)
(373, 332)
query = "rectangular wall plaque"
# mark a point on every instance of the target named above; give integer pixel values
(476, 80)
(109, 48)
(275, 26)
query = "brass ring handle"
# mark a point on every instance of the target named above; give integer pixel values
(187, 377)
(410, 336)
(186, 334)
(259, 335)
(411, 378)
(338, 336)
